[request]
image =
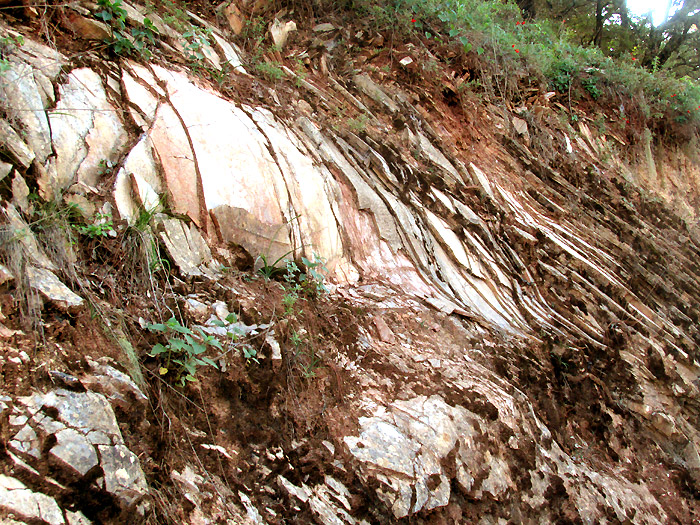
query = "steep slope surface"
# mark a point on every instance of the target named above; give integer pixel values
(510, 332)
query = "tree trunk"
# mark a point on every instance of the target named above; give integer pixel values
(598, 34)
(527, 8)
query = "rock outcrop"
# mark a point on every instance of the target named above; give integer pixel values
(67, 446)
(533, 355)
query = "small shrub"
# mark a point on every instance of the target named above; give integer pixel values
(233, 333)
(270, 70)
(561, 75)
(289, 299)
(590, 84)
(101, 227)
(121, 41)
(305, 355)
(196, 39)
(311, 280)
(182, 354)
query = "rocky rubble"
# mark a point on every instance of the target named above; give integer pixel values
(63, 442)
(531, 353)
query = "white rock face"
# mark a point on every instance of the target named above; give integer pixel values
(186, 247)
(279, 190)
(15, 146)
(85, 128)
(139, 176)
(243, 159)
(26, 91)
(405, 447)
(457, 235)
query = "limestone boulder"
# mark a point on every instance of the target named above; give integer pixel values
(51, 287)
(85, 445)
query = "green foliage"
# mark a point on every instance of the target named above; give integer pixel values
(306, 357)
(309, 281)
(358, 124)
(144, 217)
(143, 37)
(101, 227)
(270, 70)
(271, 270)
(561, 75)
(254, 31)
(253, 34)
(174, 16)
(112, 13)
(105, 167)
(297, 282)
(590, 84)
(250, 354)
(121, 41)
(289, 299)
(8, 44)
(557, 54)
(196, 39)
(315, 271)
(183, 352)
(233, 333)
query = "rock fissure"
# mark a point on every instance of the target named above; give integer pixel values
(293, 215)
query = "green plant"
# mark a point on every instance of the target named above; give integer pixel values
(182, 354)
(310, 281)
(250, 354)
(8, 44)
(143, 37)
(296, 339)
(112, 13)
(195, 41)
(143, 252)
(561, 75)
(253, 34)
(101, 227)
(590, 84)
(121, 41)
(358, 124)
(315, 273)
(271, 270)
(105, 167)
(233, 332)
(299, 70)
(270, 70)
(289, 299)
(254, 31)
(305, 355)
(144, 216)
(174, 16)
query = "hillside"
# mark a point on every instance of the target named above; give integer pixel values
(279, 264)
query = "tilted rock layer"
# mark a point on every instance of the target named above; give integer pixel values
(533, 351)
